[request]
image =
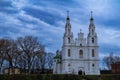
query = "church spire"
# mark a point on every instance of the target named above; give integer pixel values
(68, 25)
(91, 21)
(92, 36)
(68, 35)
(68, 19)
(91, 15)
(68, 15)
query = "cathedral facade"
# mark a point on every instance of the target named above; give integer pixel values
(79, 55)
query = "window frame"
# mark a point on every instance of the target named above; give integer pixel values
(93, 53)
(81, 53)
(68, 52)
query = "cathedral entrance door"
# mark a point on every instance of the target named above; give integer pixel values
(81, 71)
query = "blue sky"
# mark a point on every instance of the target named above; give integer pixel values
(46, 20)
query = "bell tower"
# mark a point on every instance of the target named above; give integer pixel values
(92, 35)
(93, 57)
(68, 35)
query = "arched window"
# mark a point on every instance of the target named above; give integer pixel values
(80, 45)
(68, 40)
(92, 40)
(68, 52)
(93, 65)
(93, 53)
(92, 32)
(81, 53)
(68, 64)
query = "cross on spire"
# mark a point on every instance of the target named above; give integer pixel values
(91, 13)
(67, 13)
(80, 30)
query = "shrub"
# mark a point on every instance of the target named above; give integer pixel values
(105, 71)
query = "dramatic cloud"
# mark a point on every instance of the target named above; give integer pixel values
(46, 20)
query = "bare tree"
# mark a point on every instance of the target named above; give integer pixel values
(108, 60)
(2, 53)
(43, 62)
(20, 57)
(50, 60)
(10, 51)
(25, 52)
(30, 47)
(38, 60)
(41, 58)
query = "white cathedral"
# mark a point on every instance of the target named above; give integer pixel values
(79, 55)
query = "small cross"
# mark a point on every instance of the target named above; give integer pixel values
(91, 13)
(67, 12)
(80, 30)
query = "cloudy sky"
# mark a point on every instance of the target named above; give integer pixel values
(46, 20)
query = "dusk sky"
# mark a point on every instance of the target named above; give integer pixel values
(46, 19)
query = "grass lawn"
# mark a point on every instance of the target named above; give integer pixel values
(60, 77)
